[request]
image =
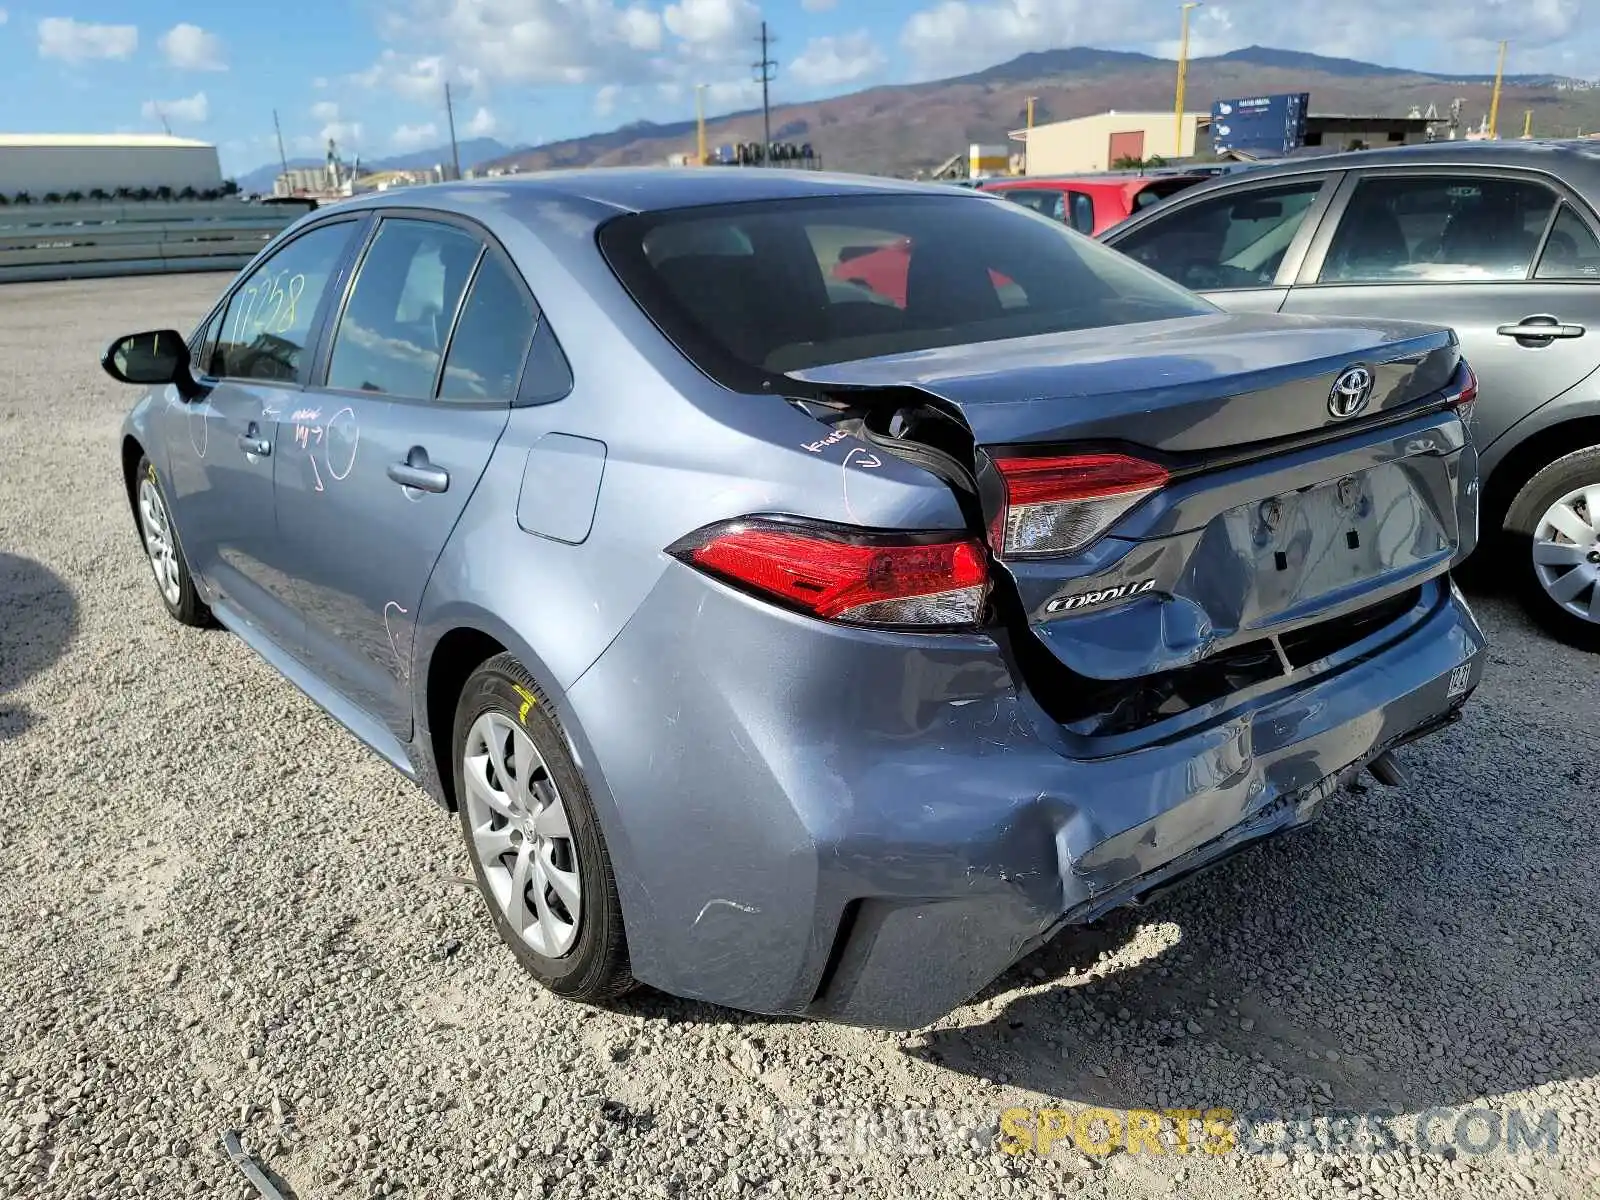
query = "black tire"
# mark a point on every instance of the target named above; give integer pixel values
(187, 608)
(1538, 495)
(595, 969)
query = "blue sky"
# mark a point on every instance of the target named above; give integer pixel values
(370, 72)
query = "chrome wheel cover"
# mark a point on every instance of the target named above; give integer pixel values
(158, 541)
(1566, 552)
(521, 835)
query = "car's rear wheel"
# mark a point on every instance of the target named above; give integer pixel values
(174, 584)
(537, 851)
(1554, 524)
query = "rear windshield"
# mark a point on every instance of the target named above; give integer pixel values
(751, 290)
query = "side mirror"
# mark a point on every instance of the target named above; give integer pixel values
(152, 359)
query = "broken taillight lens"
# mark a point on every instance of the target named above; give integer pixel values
(853, 576)
(1060, 505)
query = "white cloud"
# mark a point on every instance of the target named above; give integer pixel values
(4, 16)
(485, 44)
(716, 22)
(828, 62)
(79, 41)
(415, 137)
(605, 100)
(346, 134)
(960, 36)
(191, 48)
(192, 110)
(325, 111)
(481, 124)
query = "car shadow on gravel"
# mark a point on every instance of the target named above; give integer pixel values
(40, 620)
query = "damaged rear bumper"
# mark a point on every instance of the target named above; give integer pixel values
(877, 855)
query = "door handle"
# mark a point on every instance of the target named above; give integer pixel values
(1540, 328)
(251, 444)
(417, 472)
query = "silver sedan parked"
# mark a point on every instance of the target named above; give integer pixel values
(794, 646)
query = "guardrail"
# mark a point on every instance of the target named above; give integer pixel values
(89, 240)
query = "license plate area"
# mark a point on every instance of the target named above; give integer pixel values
(1325, 540)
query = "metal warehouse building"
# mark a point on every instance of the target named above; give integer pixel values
(40, 164)
(1094, 143)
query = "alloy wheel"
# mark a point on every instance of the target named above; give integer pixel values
(163, 551)
(521, 835)
(1566, 552)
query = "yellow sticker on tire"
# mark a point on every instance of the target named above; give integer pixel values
(528, 701)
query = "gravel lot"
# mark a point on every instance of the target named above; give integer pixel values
(218, 912)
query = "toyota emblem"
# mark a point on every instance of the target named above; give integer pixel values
(1350, 392)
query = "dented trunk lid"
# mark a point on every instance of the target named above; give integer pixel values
(1281, 516)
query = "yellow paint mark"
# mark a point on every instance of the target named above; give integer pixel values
(528, 701)
(150, 470)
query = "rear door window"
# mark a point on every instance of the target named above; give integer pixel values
(490, 342)
(401, 309)
(1082, 211)
(1571, 251)
(1233, 240)
(1438, 229)
(1041, 200)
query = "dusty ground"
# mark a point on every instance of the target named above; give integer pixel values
(217, 912)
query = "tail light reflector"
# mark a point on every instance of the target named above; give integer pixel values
(1060, 505)
(851, 576)
(1462, 392)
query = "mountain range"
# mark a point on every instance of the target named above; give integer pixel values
(904, 128)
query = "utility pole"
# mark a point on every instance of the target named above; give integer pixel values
(700, 123)
(766, 67)
(1494, 101)
(1527, 124)
(1027, 142)
(450, 115)
(283, 159)
(164, 123)
(1183, 80)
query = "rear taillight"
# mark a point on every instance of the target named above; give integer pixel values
(1462, 391)
(839, 574)
(1060, 505)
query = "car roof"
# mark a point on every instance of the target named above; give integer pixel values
(640, 189)
(1575, 159)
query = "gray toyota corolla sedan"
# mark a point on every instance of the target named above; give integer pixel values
(784, 643)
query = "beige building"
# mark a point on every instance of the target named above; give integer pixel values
(1094, 143)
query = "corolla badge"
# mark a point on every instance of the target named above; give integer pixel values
(1350, 392)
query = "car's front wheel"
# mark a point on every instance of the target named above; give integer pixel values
(536, 847)
(1554, 524)
(174, 584)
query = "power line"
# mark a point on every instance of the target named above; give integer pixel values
(767, 66)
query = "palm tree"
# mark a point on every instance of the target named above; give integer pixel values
(99, 195)
(24, 198)
(163, 192)
(52, 197)
(74, 197)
